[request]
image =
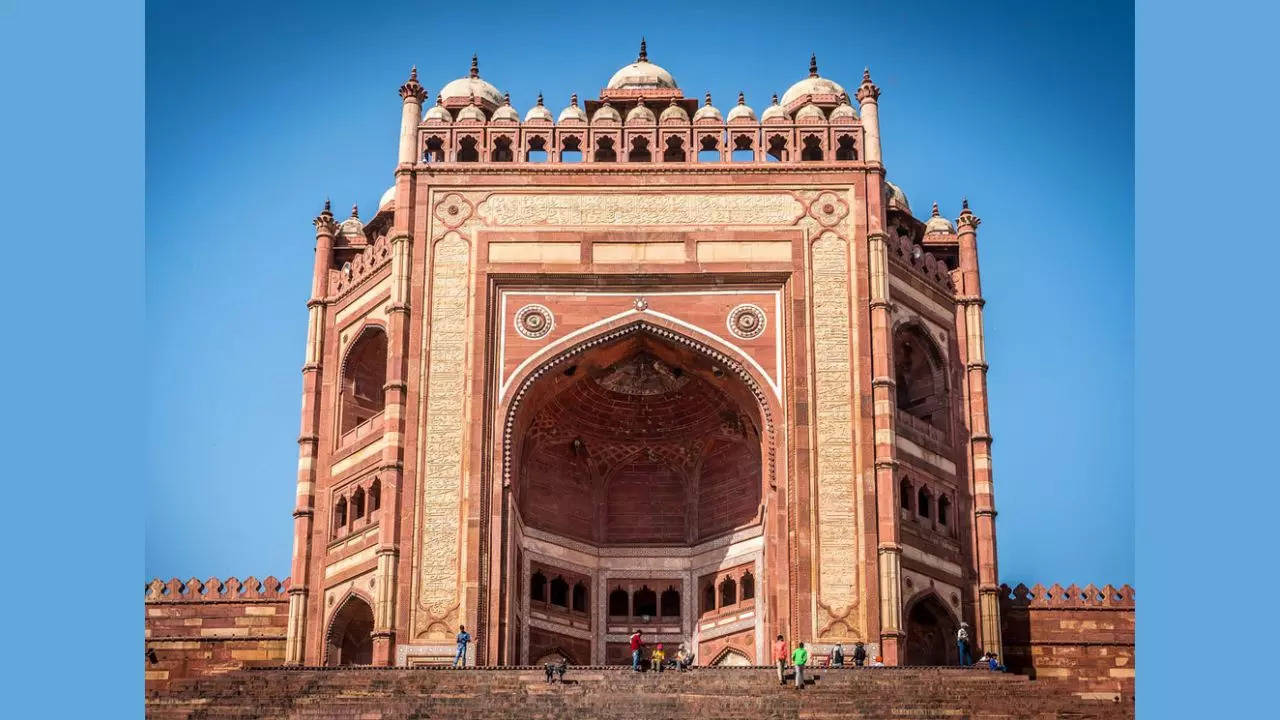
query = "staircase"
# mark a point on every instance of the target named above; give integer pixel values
(913, 693)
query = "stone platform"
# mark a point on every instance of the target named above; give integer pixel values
(617, 692)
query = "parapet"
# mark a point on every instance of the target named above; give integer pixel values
(214, 589)
(1090, 596)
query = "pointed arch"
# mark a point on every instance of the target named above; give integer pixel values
(731, 657)
(363, 375)
(348, 638)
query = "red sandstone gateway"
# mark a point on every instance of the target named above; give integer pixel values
(639, 366)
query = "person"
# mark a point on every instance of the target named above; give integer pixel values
(780, 657)
(463, 639)
(859, 654)
(877, 662)
(635, 651)
(657, 658)
(799, 658)
(993, 664)
(684, 658)
(962, 644)
(837, 656)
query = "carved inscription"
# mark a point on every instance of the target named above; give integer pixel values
(442, 469)
(642, 209)
(837, 529)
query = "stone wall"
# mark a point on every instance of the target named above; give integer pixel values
(202, 628)
(1081, 637)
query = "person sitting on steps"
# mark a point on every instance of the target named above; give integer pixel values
(557, 670)
(684, 658)
(657, 658)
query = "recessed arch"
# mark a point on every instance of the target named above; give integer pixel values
(920, 376)
(930, 630)
(731, 657)
(348, 639)
(363, 375)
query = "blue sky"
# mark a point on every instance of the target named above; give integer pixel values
(256, 112)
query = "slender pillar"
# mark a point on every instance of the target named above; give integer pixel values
(411, 114)
(309, 441)
(969, 299)
(868, 95)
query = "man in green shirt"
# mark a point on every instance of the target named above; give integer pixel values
(798, 658)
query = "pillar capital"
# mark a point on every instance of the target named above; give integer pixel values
(967, 219)
(412, 91)
(324, 222)
(868, 92)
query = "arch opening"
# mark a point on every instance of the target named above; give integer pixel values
(350, 641)
(931, 633)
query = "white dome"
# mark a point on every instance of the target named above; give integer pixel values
(640, 114)
(673, 113)
(387, 197)
(538, 112)
(773, 112)
(437, 112)
(937, 223)
(506, 113)
(844, 110)
(465, 87)
(895, 197)
(707, 111)
(471, 113)
(810, 114)
(606, 113)
(573, 112)
(352, 226)
(641, 74)
(741, 111)
(812, 85)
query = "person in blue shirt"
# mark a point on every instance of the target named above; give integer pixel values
(464, 638)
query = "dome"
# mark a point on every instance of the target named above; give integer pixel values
(844, 109)
(773, 112)
(673, 113)
(707, 111)
(937, 223)
(640, 114)
(437, 112)
(812, 85)
(538, 112)
(505, 112)
(641, 74)
(810, 114)
(895, 198)
(352, 226)
(465, 87)
(471, 112)
(606, 113)
(741, 111)
(387, 197)
(573, 112)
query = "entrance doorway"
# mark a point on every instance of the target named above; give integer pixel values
(350, 641)
(931, 633)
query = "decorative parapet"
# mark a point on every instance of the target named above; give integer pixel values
(1090, 596)
(924, 263)
(214, 589)
(364, 264)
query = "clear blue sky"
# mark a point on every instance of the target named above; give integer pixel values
(258, 111)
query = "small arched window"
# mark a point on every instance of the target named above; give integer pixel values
(538, 587)
(340, 515)
(363, 375)
(537, 151)
(646, 602)
(605, 151)
(743, 149)
(580, 596)
(502, 150)
(728, 592)
(924, 503)
(777, 148)
(919, 377)
(560, 592)
(670, 602)
(375, 495)
(845, 149)
(905, 491)
(812, 148)
(467, 151)
(619, 603)
(674, 151)
(357, 504)
(571, 150)
(944, 510)
(708, 597)
(434, 150)
(748, 586)
(709, 149)
(639, 151)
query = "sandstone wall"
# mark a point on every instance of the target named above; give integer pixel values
(210, 627)
(1082, 638)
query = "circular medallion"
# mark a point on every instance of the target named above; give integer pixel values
(534, 321)
(746, 321)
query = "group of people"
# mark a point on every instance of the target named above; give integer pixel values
(658, 660)
(798, 658)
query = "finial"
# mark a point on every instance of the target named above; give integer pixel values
(473, 97)
(355, 211)
(324, 221)
(867, 90)
(866, 74)
(935, 210)
(475, 66)
(775, 98)
(439, 100)
(644, 53)
(413, 72)
(742, 99)
(708, 98)
(967, 218)
(964, 204)
(673, 102)
(573, 99)
(506, 98)
(844, 97)
(326, 206)
(813, 65)
(539, 98)
(411, 88)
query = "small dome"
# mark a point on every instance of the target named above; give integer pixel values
(437, 112)
(937, 223)
(741, 111)
(387, 197)
(640, 114)
(471, 112)
(895, 198)
(573, 112)
(538, 112)
(810, 114)
(812, 85)
(472, 85)
(773, 112)
(506, 113)
(641, 74)
(844, 109)
(673, 113)
(606, 113)
(707, 111)
(351, 227)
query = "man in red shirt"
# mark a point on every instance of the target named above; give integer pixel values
(780, 658)
(635, 651)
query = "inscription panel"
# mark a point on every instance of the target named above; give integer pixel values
(642, 209)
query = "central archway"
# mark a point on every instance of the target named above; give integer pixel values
(931, 633)
(636, 464)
